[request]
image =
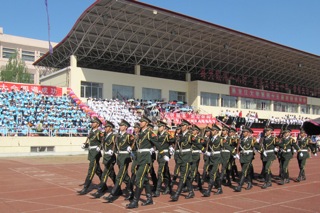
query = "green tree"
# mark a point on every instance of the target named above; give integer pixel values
(15, 70)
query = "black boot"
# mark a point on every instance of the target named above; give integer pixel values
(149, 200)
(238, 188)
(219, 187)
(175, 197)
(235, 170)
(85, 188)
(267, 182)
(114, 194)
(101, 190)
(135, 202)
(207, 192)
(174, 179)
(249, 183)
(157, 192)
(303, 175)
(168, 188)
(299, 177)
(199, 183)
(129, 191)
(191, 193)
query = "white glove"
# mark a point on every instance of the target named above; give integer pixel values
(166, 158)
(294, 151)
(236, 156)
(171, 149)
(276, 149)
(207, 153)
(83, 146)
(151, 151)
(129, 149)
(109, 152)
(315, 154)
(265, 153)
(301, 154)
(98, 149)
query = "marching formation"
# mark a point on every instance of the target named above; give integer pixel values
(219, 147)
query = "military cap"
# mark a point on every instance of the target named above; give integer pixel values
(161, 123)
(136, 125)
(225, 128)
(124, 123)
(150, 125)
(233, 129)
(286, 130)
(215, 127)
(268, 128)
(145, 119)
(96, 120)
(185, 122)
(109, 124)
(247, 129)
(207, 129)
(195, 127)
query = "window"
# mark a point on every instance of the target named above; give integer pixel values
(315, 110)
(285, 107)
(229, 101)
(178, 96)
(89, 89)
(122, 92)
(305, 109)
(209, 99)
(27, 56)
(8, 52)
(151, 94)
(249, 103)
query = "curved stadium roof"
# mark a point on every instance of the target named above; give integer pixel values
(118, 34)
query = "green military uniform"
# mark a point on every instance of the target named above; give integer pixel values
(109, 159)
(147, 139)
(286, 145)
(206, 166)
(304, 145)
(94, 145)
(165, 140)
(232, 166)
(196, 151)
(183, 157)
(247, 144)
(268, 145)
(123, 141)
(213, 151)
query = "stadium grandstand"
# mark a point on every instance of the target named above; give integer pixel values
(125, 58)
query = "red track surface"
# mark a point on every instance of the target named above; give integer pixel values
(49, 184)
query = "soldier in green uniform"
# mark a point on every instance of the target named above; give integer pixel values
(213, 151)
(133, 154)
(183, 157)
(304, 144)
(165, 140)
(152, 172)
(268, 144)
(147, 139)
(93, 143)
(123, 149)
(227, 151)
(196, 151)
(232, 166)
(247, 144)
(109, 159)
(176, 170)
(206, 168)
(286, 145)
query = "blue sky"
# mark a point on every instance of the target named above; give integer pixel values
(294, 23)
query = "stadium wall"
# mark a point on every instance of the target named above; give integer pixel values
(30, 146)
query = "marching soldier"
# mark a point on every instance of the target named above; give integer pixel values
(247, 144)
(286, 144)
(196, 151)
(176, 170)
(164, 141)
(109, 159)
(123, 148)
(147, 139)
(207, 138)
(268, 144)
(183, 157)
(153, 158)
(232, 167)
(213, 151)
(304, 144)
(93, 143)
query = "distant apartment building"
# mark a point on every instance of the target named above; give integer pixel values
(29, 50)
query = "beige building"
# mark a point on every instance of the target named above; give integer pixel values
(29, 51)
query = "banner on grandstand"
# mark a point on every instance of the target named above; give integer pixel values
(266, 95)
(45, 90)
(192, 118)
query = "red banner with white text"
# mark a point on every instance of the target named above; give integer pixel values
(197, 119)
(45, 90)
